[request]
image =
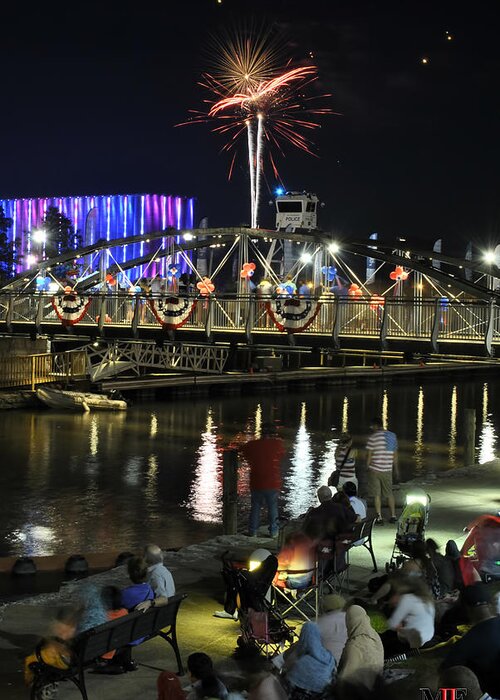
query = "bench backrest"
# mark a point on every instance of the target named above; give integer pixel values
(95, 642)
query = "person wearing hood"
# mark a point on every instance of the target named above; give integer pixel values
(314, 666)
(362, 660)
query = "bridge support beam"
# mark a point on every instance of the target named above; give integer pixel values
(250, 321)
(435, 326)
(208, 322)
(39, 313)
(383, 327)
(336, 326)
(103, 308)
(488, 336)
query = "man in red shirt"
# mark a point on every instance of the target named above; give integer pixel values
(264, 456)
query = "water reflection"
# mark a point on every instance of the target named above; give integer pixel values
(151, 480)
(419, 436)
(205, 503)
(487, 436)
(107, 481)
(132, 471)
(258, 421)
(94, 436)
(385, 409)
(452, 453)
(154, 426)
(345, 415)
(300, 486)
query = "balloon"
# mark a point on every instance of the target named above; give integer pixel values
(206, 287)
(354, 290)
(376, 302)
(247, 270)
(330, 272)
(110, 280)
(398, 274)
(173, 272)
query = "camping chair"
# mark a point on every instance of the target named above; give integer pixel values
(333, 564)
(335, 554)
(361, 535)
(302, 600)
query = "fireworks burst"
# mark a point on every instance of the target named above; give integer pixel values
(254, 95)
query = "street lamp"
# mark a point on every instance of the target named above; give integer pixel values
(39, 236)
(489, 256)
(306, 258)
(334, 248)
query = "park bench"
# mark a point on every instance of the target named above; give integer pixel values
(90, 645)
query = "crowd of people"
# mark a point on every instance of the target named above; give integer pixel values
(432, 602)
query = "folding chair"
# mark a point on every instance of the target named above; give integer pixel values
(333, 564)
(303, 600)
(366, 533)
(337, 574)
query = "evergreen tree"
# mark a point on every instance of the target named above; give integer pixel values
(61, 235)
(9, 254)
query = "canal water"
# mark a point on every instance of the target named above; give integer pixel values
(72, 483)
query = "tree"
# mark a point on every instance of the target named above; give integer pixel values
(61, 235)
(9, 250)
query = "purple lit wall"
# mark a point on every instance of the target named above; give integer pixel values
(102, 216)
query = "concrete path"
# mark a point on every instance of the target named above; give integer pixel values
(455, 501)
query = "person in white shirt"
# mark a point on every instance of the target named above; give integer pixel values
(357, 504)
(411, 623)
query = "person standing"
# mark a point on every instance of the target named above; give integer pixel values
(382, 463)
(264, 456)
(345, 463)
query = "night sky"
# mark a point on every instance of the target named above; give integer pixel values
(91, 93)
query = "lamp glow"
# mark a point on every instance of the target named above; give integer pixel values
(417, 496)
(334, 248)
(306, 258)
(39, 236)
(489, 256)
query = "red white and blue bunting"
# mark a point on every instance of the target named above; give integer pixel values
(172, 312)
(70, 308)
(292, 315)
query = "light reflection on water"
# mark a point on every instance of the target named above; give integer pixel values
(419, 436)
(205, 504)
(452, 455)
(106, 481)
(300, 487)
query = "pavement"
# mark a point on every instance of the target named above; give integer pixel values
(457, 497)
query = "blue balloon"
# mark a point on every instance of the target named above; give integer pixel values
(330, 272)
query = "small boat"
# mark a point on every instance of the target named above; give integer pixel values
(79, 400)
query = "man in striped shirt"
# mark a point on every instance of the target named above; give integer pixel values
(382, 462)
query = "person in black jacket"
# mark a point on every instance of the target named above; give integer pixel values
(479, 648)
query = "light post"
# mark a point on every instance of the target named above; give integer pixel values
(40, 237)
(489, 257)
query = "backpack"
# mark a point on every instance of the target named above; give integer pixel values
(391, 441)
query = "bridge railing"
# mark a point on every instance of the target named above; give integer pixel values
(450, 320)
(31, 370)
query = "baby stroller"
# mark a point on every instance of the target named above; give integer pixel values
(262, 627)
(411, 527)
